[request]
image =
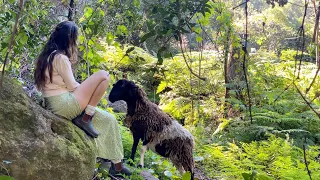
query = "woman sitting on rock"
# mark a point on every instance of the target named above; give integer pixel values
(77, 102)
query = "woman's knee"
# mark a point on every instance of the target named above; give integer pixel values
(104, 75)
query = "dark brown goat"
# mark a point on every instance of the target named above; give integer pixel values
(157, 130)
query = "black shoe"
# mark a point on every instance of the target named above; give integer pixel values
(85, 126)
(124, 171)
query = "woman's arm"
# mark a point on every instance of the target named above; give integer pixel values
(63, 66)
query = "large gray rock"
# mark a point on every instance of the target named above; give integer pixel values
(118, 106)
(37, 145)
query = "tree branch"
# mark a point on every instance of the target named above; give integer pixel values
(308, 103)
(278, 97)
(71, 10)
(245, 61)
(303, 35)
(305, 158)
(240, 5)
(11, 42)
(185, 60)
(316, 24)
(315, 36)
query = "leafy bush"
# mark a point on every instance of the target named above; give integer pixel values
(274, 158)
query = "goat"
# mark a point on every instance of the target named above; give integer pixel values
(158, 131)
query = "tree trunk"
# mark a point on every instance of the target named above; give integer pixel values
(71, 10)
(233, 74)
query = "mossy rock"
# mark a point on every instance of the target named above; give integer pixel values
(37, 145)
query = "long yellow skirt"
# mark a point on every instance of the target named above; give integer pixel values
(109, 144)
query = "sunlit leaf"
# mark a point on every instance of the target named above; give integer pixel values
(186, 176)
(122, 30)
(199, 39)
(88, 12)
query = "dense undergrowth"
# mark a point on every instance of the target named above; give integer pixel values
(271, 147)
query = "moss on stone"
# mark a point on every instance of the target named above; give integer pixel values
(39, 144)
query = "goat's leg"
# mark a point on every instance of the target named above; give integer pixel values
(179, 167)
(134, 146)
(181, 170)
(142, 151)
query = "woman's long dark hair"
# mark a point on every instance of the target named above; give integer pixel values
(63, 40)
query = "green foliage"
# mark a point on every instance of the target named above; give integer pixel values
(6, 178)
(288, 55)
(252, 160)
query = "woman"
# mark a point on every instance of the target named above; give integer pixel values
(77, 102)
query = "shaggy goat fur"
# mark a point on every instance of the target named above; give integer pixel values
(158, 130)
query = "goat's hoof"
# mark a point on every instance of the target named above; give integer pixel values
(140, 166)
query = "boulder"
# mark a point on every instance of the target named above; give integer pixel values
(37, 145)
(118, 106)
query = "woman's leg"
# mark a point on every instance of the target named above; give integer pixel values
(88, 95)
(92, 89)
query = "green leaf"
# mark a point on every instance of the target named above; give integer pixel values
(81, 48)
(102, 12)
(129, 50)
(81, 39)
(117, 44)
(199, 39)
(22, 38)
(109, 38)
(28, 29)
(246, 176)
(90, 54)
(168, 55)
(263, 177)
(122, 30)
(186, 176)
(146, 36)
(136, 3)
(161, 87)
(160, 60)
(163, 48)
(88, 30)
(6, 178)
(159, 56)
(88, 12)
(11, 1)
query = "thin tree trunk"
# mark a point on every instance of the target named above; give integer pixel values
(191, 91)
(11, 41)
(199, 83)
(226, 79)
(71, 10)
